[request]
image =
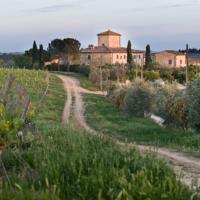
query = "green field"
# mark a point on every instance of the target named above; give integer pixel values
(35, 82)
(107, 119)
(66, 163)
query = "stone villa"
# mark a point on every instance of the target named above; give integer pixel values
(109, 51)
(170, 59)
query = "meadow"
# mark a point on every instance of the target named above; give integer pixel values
(104, 117)
(68, 163)
(35, 82)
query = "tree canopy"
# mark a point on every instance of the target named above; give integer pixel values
(129, 53)
(148, 59)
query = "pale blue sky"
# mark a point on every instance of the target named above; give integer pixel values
(164, 24)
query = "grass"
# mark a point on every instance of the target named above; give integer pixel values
(52, 107)
(84, 82)
(105, 118)
(31, 80)
(66, 163)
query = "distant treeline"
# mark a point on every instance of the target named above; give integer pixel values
(192, 51)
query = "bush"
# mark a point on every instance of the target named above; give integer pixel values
(117, 96)
(151, 75)
(179, 74)
(177, 109)
(171, 105)
(97, 75)
(85, 70)
(82, 69)
(118, 73)
(138, 99)
(160, 96)
(166, 74)
(133, 72)
(193, 93)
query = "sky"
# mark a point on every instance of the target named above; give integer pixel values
(164, 24)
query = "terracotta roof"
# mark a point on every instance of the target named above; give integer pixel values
(109, 32)
(172, 52)
(104, 49)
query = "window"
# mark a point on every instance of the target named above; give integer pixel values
(120, 57)
(117, 56)
(103, 44)
(89, 57)
(124, 56)
(181, 62)
(139, 56)
(170, 62)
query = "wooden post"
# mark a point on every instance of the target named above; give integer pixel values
(187, 64)
(7, 89)
(142, 67)
(118, 74)
(101, 81)
(142, 72)
(136, 72)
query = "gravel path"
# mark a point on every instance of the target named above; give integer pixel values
(186, 167)
(74, 106)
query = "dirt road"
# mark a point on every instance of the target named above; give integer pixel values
(74, 106)
(187, 168)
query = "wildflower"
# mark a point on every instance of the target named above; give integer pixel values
(4, 126)
(1, 109)
(31, 115)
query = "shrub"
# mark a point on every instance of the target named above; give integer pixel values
(85, 70)
(138, 99)
(160, 96)
(151, 75)
(193, 93)
(193, 74)
(179, 74)
(171, 105)
(118, 73)
(133, 71)
(166, 74)
(100, 77)
(117, 96)
(177, 109)
(82, 69)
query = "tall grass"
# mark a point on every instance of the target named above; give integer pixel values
(66, 163)
(107, 119)
(33, 81)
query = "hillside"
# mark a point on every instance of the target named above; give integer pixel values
(68, 162)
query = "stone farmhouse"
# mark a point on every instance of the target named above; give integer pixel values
(170, 59)
(109, 51)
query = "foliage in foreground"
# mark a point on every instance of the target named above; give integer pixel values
(193, 92)
(74, 165)
(105, 118)
(33, 81)
(138, 99)
(178, 107)
(172, 105)
(68, 164)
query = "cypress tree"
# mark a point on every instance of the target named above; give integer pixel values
(34, 53)
(49, 50)
(41, 61)
(129, 53)
(148, 59)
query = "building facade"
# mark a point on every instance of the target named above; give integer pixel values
(109, 51)
(171, 59)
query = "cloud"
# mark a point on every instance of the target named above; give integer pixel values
(53, 8)
(169, 6)
(178, 5)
